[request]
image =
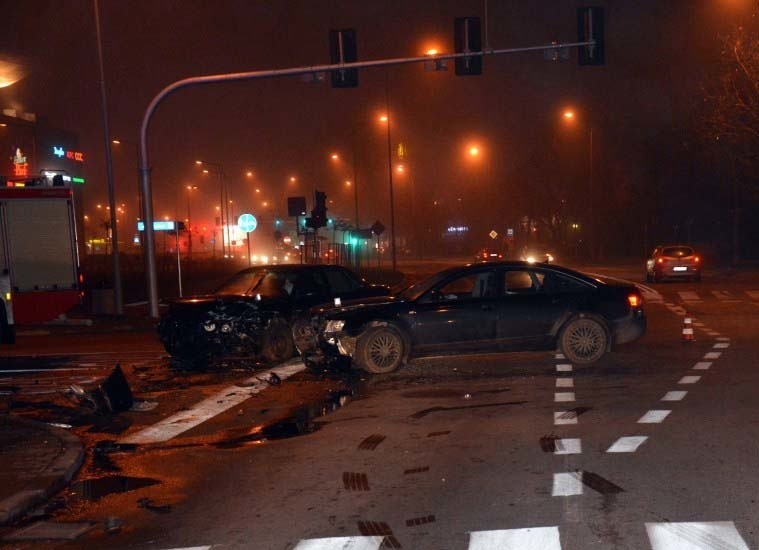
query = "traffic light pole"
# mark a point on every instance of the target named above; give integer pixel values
(147, 207)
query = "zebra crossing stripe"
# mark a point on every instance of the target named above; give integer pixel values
(533, 538)
(565, 417)
(674, 395)
(654, 417)
(341, 543)
(563, 367)
(695, 536)
(689, 296)
(568, 447)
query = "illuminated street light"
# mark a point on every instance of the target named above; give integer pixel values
(474, 151)
(292, 179)
(348, 183)
(400, 169)
(334, 156)
(568, 114)
(258, 190)
(432, 51)
(383, 118)
(115, 142)
(205, 171)
(198, 162)
(249, 174)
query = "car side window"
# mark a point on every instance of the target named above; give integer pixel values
(471, 285)
(554, 282)
(310, 283)
(522, 281)
(339, 281)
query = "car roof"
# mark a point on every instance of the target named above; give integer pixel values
(287, 267)
(541, 265)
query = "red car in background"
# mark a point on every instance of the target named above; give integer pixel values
(673, 262)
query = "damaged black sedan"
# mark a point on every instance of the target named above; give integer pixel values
(251, 314)
(486, 307)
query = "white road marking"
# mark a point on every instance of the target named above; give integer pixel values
(341, 543)
(689, 380)
(560, 356)
(568, 447)
(567, 484)
(702, 365)
(187, 547)
(534, 538)
(563, 367)
(724, 296)
(565, 417)
(654, 417)
(753, 294)
(699, 324)
(713, 355)
(721, 345)
(695, 536)
(689, 296)
(723, 338)
(565, 383)
(627, 444)
(88, 364)
(51, 370)
(563, 397)
(674, 396)
(208, 408)
(712, 333)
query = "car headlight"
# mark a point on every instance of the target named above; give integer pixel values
(334, 326)
(549, 257)
(530, 259)
(209, 326)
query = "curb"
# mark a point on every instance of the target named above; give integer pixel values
(58, 475)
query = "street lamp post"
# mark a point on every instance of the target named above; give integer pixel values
(190, 189)
(220, 175)
(569, 116)
(386, 120)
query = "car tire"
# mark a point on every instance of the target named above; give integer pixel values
(380, 350)
(277, 343)
(583, 340)
(7, 332)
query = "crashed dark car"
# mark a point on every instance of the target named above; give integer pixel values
(484, 307)
(251, 314)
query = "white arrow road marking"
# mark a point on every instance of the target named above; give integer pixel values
(695, 536)
(534, 538)
(627, 444)
(341, 543)
(208, 408)
(654, 417)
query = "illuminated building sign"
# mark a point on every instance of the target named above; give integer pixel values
(458, 229)
(20, 166)
(160, 226)
(60, 152)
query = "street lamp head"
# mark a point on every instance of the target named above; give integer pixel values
(205, 171)
(568, 114)
(400, 169)
(115, 142)
(258, 190)
(348, 182)
(198, 162)
(334, 156)
(292, 179)
(249, 174)
(432, 51)
(383, 118)
(474, 151)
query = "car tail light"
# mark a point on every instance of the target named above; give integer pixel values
(660, 260)
(697, 259)
(634, 300)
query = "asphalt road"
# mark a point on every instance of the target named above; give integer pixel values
(654, 447)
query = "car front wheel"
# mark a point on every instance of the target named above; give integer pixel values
(380, 350)
(278, 342)
(583, 340)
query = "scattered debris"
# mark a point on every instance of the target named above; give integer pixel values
(273, 379)
(112, 396)
(59, 425)
(113, 525)
(143, 406)
(148, 505)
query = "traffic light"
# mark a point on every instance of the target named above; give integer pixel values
(590, 26)
(342, 49)
(468, 38)
(319, 213)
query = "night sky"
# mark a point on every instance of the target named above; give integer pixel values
(640, 105)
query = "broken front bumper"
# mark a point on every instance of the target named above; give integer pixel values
(319, 348)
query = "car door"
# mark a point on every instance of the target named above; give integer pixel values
(459, 314)
(528, 309)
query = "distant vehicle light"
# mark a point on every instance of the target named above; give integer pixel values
(265, 259)
(697, 259)
(530, 259)
(7, 296)
(660, 260)
(549, 257)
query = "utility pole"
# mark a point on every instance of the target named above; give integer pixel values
(118, 306)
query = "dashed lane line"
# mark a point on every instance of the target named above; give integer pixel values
(567, 484)
(689, 380)
(702, 365)
(654, 417)
(570, 446)
(565, 383)
(564, 397)
(674, 396)
(721, 345)
(564, 417)
(713, 355)
(210, 407)
(627, 444)
(563, 367)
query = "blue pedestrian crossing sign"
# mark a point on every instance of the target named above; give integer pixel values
(247, 223)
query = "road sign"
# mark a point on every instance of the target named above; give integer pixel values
(493, 234)
(162, 225)
(510, 232)
(377, 228)
(247, 223)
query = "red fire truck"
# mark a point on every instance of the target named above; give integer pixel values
(39, 262)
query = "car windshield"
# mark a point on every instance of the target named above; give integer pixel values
(242, 283)
(413, 292)
(677, 251)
